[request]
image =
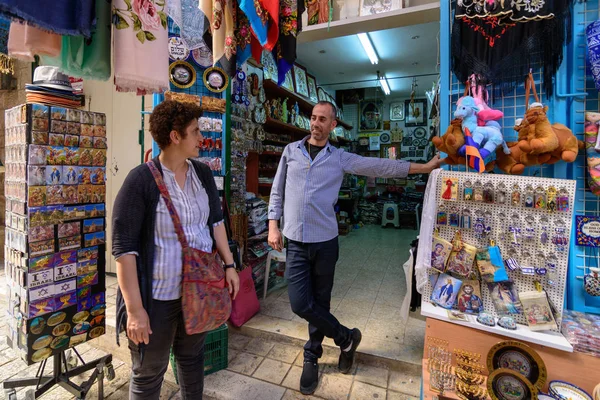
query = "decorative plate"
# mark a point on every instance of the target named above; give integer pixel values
(384, 138)
(520, 358)
(260, 115)
(261, 95)
(203, 56)
(544, 396)
(182, 74)
(269, 66)
(506, 384)
(486, 319)
(178, 50)
(322, 94)
(567, 391)
(215, 79)
(419, 132)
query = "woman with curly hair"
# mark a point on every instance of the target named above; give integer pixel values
(148, 252)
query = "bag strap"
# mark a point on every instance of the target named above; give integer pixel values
(530, 86)
(170, 206)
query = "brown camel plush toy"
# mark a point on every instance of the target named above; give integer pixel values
(539, 137)
(450, 142)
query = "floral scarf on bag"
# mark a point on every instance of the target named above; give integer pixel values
(140, 39)
(289, 27)
(243, 36)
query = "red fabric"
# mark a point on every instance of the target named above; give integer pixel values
(272, 8)
(246, 304)
(256, 49)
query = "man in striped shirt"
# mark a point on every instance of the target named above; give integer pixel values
(305, 191)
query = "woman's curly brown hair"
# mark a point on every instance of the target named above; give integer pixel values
(171, 115)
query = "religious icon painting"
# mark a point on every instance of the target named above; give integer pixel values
(300, 81)
(469, 298)
(312, 88)
(450, 189)
(445, 291)
(440, 251)
(537, 310)
(505, 298)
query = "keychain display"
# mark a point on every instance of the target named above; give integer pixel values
(540, 198)
(501, 194)
(516, 195)
(478, 192)
(450, 191)
(488, 193)
(465, 219)
(468, 191)
(454, 217)
(529, 201)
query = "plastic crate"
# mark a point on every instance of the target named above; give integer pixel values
(215, 352)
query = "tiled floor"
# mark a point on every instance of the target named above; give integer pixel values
(369, 288)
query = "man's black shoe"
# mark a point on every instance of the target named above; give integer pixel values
(310, 377)
(347, 358)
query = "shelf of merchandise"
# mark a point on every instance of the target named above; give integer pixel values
(273, 141)
(270, 153)
(265, 184)
(282, 127)
(554, 340)
(267, 169)
(304, 104)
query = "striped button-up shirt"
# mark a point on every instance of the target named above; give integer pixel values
(192, 207)
(305, 191)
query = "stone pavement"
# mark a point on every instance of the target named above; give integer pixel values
(260, 368)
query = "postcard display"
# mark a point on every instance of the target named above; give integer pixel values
(529, 221)
(55, 238)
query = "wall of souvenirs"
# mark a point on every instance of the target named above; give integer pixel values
(55, 233)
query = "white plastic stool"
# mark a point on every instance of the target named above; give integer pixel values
(274, 255)
(393, 217)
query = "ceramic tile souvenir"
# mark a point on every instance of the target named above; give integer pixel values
(40, 137)
(87, 117)
(56, 139)
(39, 111)
(58, 113)
(65, 286)
(37, 154)
(73, 128)
(39, 233)
(83, 291)
(89, 253)
(40, 293)
(88, 279)
(85, 157)
(65, 300)
(98, 194)
(70, 175)
(40, 124)
(83, 304)
(440, 251)
(55, 213)
(54, 195)
(93, 225)
(84, 193)
(64, 272)
(73, 115)
(41, 307)
(449, 189)
(93, 239)
(65, 258)
(100, 143)
(97, 299)
(84, 175)
(507, 323)
(71, 140)
(86, 141)
(54, 175)
(69, 243)
(469, 298)
(72, 155)
(38, 216)
(70, 194)
(537, 310)
(99, 131)
(95, 210)
(69, 229)
(37, 196)
(98, 157)
(41, 248)
(86, 267)
(36, 175)
(40, 278)
(505, 298)
(445, 291)
(56, 155)
(58, 127)
(486, 319)
(87, 130)
(99, 119)
(98, 176)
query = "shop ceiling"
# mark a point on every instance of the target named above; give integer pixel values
(341, 63)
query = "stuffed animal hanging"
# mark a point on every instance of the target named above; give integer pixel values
(592, 120)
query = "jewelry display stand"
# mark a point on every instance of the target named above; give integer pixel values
(61, 375)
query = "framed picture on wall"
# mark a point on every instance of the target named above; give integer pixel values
(397, 111)
(371, 115)
(312, 88)
(289, 81)
(415, 112)
(300, 82)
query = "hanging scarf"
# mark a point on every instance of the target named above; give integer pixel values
(25, 42)
(7, 66)
(65, 17)
(243, 35)
(289, 26)
(502, 45)
(215, 12)
(228, 61)
(319, 11)
(191, 21)
(257, 18)
(87, 58)
(272, 14)
(140, 40)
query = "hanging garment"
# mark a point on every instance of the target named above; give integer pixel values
(243, 35)
(7, 66)
(141, 38)
(215, 12)
(228, 61)
(502, 46)
(25, 42)
(87, 58)
(257, 18)
(65, 17)
(191, 21)
(289, 26)
(272, 17)
(319, 11)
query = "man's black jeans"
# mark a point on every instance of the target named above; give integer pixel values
(310, 270)
(166, 322)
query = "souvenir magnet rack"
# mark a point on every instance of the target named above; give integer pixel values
(61, 375)
(523, 282)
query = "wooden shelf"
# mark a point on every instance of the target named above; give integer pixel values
(265, 184)
(286, 128)
(268, 169)
(270, 153)
(276, 141)
(303, 103)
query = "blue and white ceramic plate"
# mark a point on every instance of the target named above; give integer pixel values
(543, 396)
(566, 391)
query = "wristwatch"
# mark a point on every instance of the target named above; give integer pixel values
(227, 266)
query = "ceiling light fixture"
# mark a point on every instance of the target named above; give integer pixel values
(368, 47)
(384, 84)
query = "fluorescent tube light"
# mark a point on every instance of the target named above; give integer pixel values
(384, 85)
(368, 46)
